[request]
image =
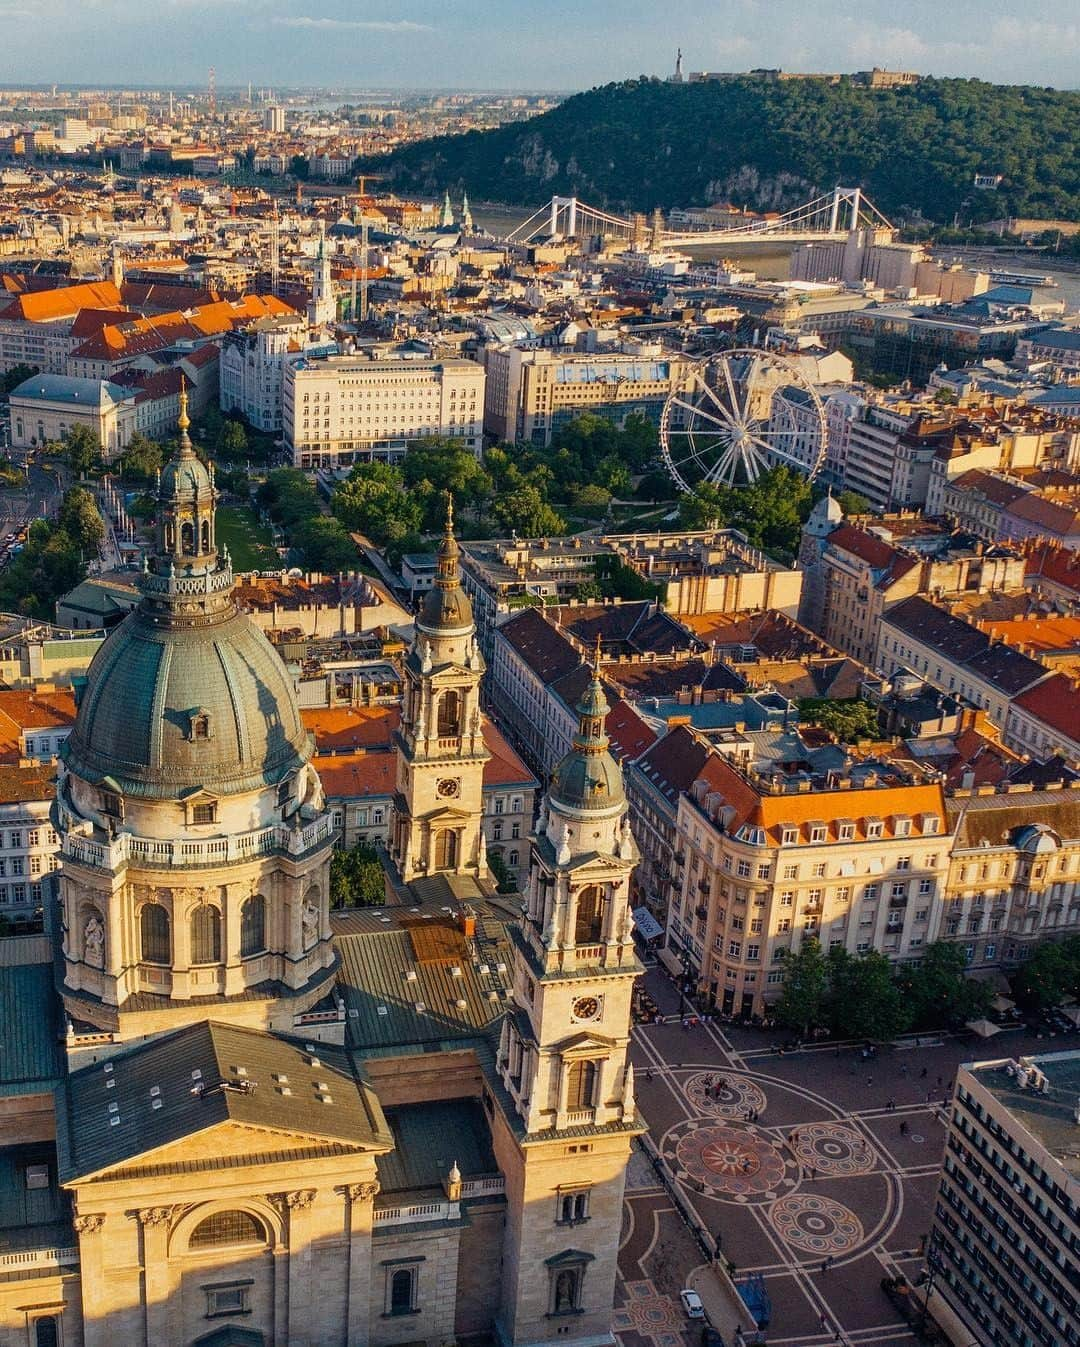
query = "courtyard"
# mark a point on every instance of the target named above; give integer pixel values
(815, 1170)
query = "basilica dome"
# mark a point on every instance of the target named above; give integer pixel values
(167, 710)
(187, 692)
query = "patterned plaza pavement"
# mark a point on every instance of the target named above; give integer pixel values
(799, 1164)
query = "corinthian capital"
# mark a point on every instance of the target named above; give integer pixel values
(363, 1192)
(156, 1215)
(89, 1224)
(300, 1200)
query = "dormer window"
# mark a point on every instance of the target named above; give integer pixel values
(901, 826)
(112, 804)
(874, 827)
(199, 727)
(930, 824)
(818, 832)
(204, 813)
(789, 835)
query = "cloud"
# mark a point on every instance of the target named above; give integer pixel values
(363, 25)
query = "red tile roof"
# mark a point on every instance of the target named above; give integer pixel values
(1056, 702)
(356, 775)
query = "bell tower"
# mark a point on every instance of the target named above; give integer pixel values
(440, 744)
(563, 1059)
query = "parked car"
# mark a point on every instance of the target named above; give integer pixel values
(710, 1337)
(691, 1303)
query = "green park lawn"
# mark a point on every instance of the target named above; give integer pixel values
(250, 543)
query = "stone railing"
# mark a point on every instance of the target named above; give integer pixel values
(487, 1187)
(25, 1259)
(580, 1117)
(202, 582)
(170, 853)
(416, 1212)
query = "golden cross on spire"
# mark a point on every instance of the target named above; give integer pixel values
(596, 656)
(449, 512)
(183, 421)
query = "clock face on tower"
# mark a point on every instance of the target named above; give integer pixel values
(586, 1008)
(448, 787)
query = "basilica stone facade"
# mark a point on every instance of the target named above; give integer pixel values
(279, 1125)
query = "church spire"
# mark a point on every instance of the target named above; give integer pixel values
(183, 422)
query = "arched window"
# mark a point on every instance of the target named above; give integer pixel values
(206, 935)
(206, 535)
(567, 1291)
(227, 1227)
(253, 926)
(449, 719)
(581, 1087)
(46, 1333)
(590, 916)
(402, 1290)
(187, 539)
(154, 934)
(446, 849)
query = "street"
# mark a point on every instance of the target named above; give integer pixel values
(816, 1170)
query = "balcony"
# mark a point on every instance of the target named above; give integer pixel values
(190, 853)
(24, 1260)
(701, 912)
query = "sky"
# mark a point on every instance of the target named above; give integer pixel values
(524, 44)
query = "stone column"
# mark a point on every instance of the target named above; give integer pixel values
(605, 1085)
(95, 1307)
(300, 1271)
(564, 1088)
(361, 1197)
(161, 1288)
(232, 897)
(180, 925)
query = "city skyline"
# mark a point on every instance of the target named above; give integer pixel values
(417, 44)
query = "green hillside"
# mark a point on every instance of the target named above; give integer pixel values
(770, 146)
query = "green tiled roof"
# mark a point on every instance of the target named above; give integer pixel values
(31, 1217)
(31, 1055)
(429, 1138)
(165, 1071)
(394, 997)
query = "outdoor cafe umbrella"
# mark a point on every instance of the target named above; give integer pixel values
(984, 1028)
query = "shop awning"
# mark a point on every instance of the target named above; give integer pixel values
(647, 925)
(671, 962)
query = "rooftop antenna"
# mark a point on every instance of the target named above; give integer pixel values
(275, 261)
(211, 91)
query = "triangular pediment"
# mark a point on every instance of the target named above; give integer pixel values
(222, 1144)
(600, 861)
(584, 1042)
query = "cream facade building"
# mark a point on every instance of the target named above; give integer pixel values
(263, 1124)
(349, 409)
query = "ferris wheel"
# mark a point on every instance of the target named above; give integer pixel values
(740, 413)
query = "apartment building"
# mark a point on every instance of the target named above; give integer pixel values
(531, 393)
(39, 328)
(1002, 1252)
(252, 367)
(338, 410)
(853, 574)
(954, 656)
(786, 842)
(28, 844)
(1013, 869)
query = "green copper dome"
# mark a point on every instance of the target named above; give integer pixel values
(167, 710)
(588, 777)
(187, 692)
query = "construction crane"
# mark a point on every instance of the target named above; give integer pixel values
(211, 91)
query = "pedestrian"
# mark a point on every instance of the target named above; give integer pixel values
(648, 1073)
(903, 1129)
(836, 1050)
(827, 1264)
(836, 1335)
(922, 1074)
(903, 1069)
(813, 1172)
(869, 1080)
(708, 1083)
(941, 1080)
(824, 1323)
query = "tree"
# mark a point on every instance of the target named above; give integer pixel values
(357, 878)
(325, 545)
(848, 720)
(81, 520)
(705, 508)
(142, 459)
(82, 448)
(1050, 976)
(16, 375)
(288, 497)
(439, 465)
(48, 566)
(862, 1000)
(504, 879)
(372, 500)
(803, 994)
(852, 503)
(232, 440)
(938, 993)
(526, 513)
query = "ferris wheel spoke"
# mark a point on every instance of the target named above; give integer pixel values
(751, 377)
(705, 416)
(727, 412)
(730, 385)
(697, 453)
(718, 472)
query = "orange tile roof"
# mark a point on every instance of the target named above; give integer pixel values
(1056, 702)
(504, 767)
(20, 710)
(356, 775)
(349, 727)
(46, 306)
(1043, 635)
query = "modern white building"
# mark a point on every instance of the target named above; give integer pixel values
(274, 120)
(46, 406)
(344, 409)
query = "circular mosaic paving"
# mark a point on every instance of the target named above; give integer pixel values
(723, 1095)
(739, 1163)
(830, 1148)
(815, 1224)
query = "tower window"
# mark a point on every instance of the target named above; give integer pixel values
(590, 916)
(581, 1085)
(401, 1290)
(200, 725)
(446, 846)
(206, 935)
(573, 1206)
(187, 539)
(253, 926)
(154, 934)
(112, 804)
(449, 717)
